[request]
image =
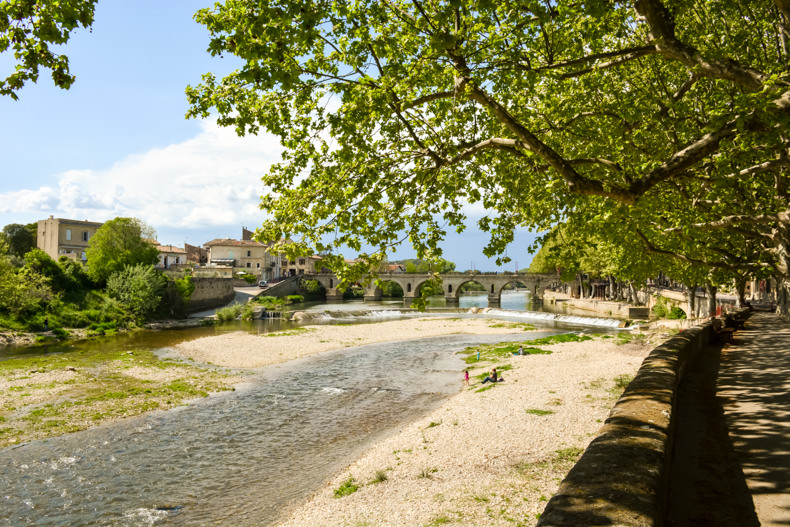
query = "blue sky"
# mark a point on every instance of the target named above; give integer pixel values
(117, 143)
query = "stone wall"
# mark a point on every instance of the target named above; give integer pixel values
(210, 292)
(621, 479)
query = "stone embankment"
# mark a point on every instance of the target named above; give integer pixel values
(622, 477)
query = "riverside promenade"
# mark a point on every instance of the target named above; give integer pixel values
(731, 462)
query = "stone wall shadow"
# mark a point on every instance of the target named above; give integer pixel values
(706, 480)
(625, 475)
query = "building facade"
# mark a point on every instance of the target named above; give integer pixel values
(243, 255)
(170, 255)
(62, 237)
(300, 265)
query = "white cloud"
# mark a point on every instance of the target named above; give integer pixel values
(209, 181)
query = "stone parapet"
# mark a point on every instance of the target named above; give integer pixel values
(621, 479)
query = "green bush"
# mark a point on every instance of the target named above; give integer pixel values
(270, 302)
(246, 312)
(138, 287)
(60, 333)
(676, 314)
(249, 278)
(312, 289)
(354, 292)
(391, 290)
(231, 312)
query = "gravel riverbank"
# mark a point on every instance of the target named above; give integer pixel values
(244, 350)
(490, 457)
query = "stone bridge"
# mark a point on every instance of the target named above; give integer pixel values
(412, 283)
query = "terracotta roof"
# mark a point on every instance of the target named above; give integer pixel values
(234, 243)
(169, 249)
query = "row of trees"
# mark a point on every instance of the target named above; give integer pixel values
(654, 130)
(120, 287)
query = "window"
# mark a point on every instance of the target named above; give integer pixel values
(249, 253)
(85, 236)
(68, 235)
(301, 261)
(249, 264)
(258, 265)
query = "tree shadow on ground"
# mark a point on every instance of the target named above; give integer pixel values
(732, 446)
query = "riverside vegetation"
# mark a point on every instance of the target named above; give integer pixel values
(64, 298)
(48, 395)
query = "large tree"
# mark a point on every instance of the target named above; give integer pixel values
(119, 243)
(664, 122)
(20, 238)
(28, 29)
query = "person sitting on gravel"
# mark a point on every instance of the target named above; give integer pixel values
(492, 378)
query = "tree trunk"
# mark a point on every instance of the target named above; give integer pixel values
(692, 298)
(783, 275)
(740, 288)
(710, 291)
(782, 297)
(632, 299)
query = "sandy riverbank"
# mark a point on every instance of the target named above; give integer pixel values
(244, 350)
(490, 457)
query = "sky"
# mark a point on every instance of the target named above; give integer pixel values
(117, 142)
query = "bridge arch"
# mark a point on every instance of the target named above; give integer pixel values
(412, 284)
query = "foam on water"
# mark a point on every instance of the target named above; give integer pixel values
(554, 317)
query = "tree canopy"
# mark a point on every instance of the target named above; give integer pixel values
(29, 27)
(139, 287)
(20, 238)
(662, 123)
(119, 243)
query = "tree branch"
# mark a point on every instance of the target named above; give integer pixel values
(738, 219)
(639, 52)
(419, 101)
(649, 247)
(661, 24)
(682, 160)
(507, 145)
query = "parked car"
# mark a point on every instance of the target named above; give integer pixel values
(263, 283)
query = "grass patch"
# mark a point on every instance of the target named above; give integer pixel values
(380, 477)
(96, 390)
(346, 488)
(622, 381)
(570, 454)
(496, 352)
(440, 520)
(427, 472)
(513, 325)
(626, 337)
(289, 332)
(535, 411)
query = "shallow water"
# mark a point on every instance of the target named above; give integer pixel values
(243, 457)
(238, 458)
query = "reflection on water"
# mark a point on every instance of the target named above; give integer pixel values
(237, 458)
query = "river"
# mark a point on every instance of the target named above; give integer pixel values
(236, 458)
